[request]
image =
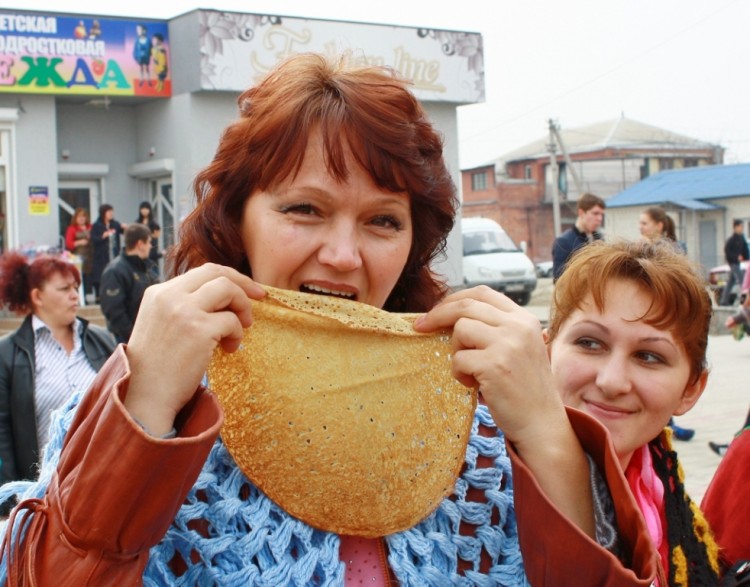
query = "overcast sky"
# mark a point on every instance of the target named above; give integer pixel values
(683, 65)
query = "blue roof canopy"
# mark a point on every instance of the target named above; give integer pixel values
(695, 205)
(687, 188)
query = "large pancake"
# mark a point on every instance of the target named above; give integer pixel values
(343, 414)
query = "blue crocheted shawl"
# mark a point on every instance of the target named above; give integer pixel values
(252, 541)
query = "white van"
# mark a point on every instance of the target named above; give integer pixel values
(492, 258)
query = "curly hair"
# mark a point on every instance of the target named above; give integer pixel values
(18, 278)
(368, 109)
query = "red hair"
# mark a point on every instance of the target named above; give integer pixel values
(18, 278)
(76, 214)
(370, 110)
(680, 301)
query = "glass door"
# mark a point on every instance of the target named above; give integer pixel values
(73, 195)
(164, 212)
(3, 210)
(76, 194)
(4, 172)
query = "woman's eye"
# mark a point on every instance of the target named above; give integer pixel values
(305, 209)
(589, 344)
(648, 357)
(387, 221)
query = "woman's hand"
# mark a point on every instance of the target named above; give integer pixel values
(180, 322)
(498, 346)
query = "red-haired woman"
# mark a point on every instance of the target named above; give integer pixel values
(627, 342)
(331, 182)
(78, 241)
(51, 356)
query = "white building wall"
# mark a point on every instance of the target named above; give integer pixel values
(102, 135)
(34, 164)
(133, 140)
(622, 222)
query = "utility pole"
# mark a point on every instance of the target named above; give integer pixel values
(555, 130)
(553, 172)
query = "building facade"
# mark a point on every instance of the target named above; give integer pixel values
(97, 109)
(603, 158)
(703, 201)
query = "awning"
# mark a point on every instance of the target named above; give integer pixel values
(694, 205)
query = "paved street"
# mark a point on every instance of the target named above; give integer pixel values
(716, 416)
(719, 413)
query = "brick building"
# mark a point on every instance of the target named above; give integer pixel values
(604, 158)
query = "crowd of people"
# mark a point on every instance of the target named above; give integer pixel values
(332, 182)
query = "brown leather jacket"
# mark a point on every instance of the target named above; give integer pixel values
(106, 507)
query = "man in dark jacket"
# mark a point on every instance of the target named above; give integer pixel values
(590, 218)
(735, 251)
(125, 280)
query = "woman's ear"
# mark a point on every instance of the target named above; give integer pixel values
(545, 338)
(36, 296)
(692, 394)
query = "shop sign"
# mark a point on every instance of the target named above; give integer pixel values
(238, 49)
(39, 200)
(48, 54)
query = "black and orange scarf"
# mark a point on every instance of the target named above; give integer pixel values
(693, 552)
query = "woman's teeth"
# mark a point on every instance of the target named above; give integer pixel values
(327, 292)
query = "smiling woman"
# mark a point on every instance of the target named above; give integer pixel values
(627, 343)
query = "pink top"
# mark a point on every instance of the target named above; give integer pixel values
(364, 563)
(648, 491)
(745, 281)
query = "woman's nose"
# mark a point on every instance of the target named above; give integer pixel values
(613, 377)
(341, 248)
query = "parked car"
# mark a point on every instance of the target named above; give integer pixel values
(493, 259)
(544, 269)
(717, 279)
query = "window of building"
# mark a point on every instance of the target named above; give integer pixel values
(527, 172)
(479, 181)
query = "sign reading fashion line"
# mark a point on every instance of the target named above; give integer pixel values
(237, 49)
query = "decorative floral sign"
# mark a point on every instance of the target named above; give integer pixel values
(236, 49)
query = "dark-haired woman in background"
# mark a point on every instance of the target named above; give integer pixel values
(105, 236)
(146, 215)
(655, 225)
